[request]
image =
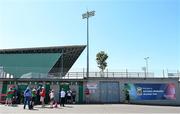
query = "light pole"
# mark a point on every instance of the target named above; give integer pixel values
(86, 16)
(146, 59)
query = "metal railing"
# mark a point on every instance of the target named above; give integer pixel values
(82, 75)
(108, 75)
(35, 72)
(79, 75)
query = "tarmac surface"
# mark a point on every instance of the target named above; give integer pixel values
(92, 109)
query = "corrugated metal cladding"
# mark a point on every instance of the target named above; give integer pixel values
(109, 92)
(102, 92)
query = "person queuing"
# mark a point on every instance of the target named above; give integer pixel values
(38, 95)
(74, 96)
(62, 95)
(14, 94)
(51, 96)
(27, 97)
(9, 96)
(34, 92)
(19, 97)
(69, 96)
(42, 95)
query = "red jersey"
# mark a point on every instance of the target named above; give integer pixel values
(43, 93)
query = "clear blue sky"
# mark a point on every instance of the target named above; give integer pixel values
(127, 30)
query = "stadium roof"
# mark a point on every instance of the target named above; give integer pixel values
(55, 60)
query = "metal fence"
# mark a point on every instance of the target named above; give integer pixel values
(35, 72)
(109, 74)
(82, 75)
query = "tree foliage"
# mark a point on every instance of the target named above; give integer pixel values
(101, 58)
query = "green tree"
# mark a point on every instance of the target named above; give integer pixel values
(101, 58)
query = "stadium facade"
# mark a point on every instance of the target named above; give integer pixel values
(49, 66)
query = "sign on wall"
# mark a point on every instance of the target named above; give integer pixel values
(142, 91)
(92, 86)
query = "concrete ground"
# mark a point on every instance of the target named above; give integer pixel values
(92, 109)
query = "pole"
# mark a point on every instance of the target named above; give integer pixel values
(87, 46)
(146, 59)
(147, 67)
(163, 74)
(86, 16)
(62, 65)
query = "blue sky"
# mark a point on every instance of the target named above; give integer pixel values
(127, 30)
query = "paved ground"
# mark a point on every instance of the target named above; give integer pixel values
(92, 109)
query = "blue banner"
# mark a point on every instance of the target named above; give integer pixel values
(142, 91)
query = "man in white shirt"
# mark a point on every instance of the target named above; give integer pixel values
(62, 96)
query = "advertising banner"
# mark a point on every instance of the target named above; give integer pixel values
(142, 91)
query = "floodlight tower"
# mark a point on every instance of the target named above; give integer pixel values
(86, 16)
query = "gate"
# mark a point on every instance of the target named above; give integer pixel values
(109, 92)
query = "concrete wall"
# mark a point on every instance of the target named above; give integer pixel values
(95, 90)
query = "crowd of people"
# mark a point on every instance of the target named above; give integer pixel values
(36, 96)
